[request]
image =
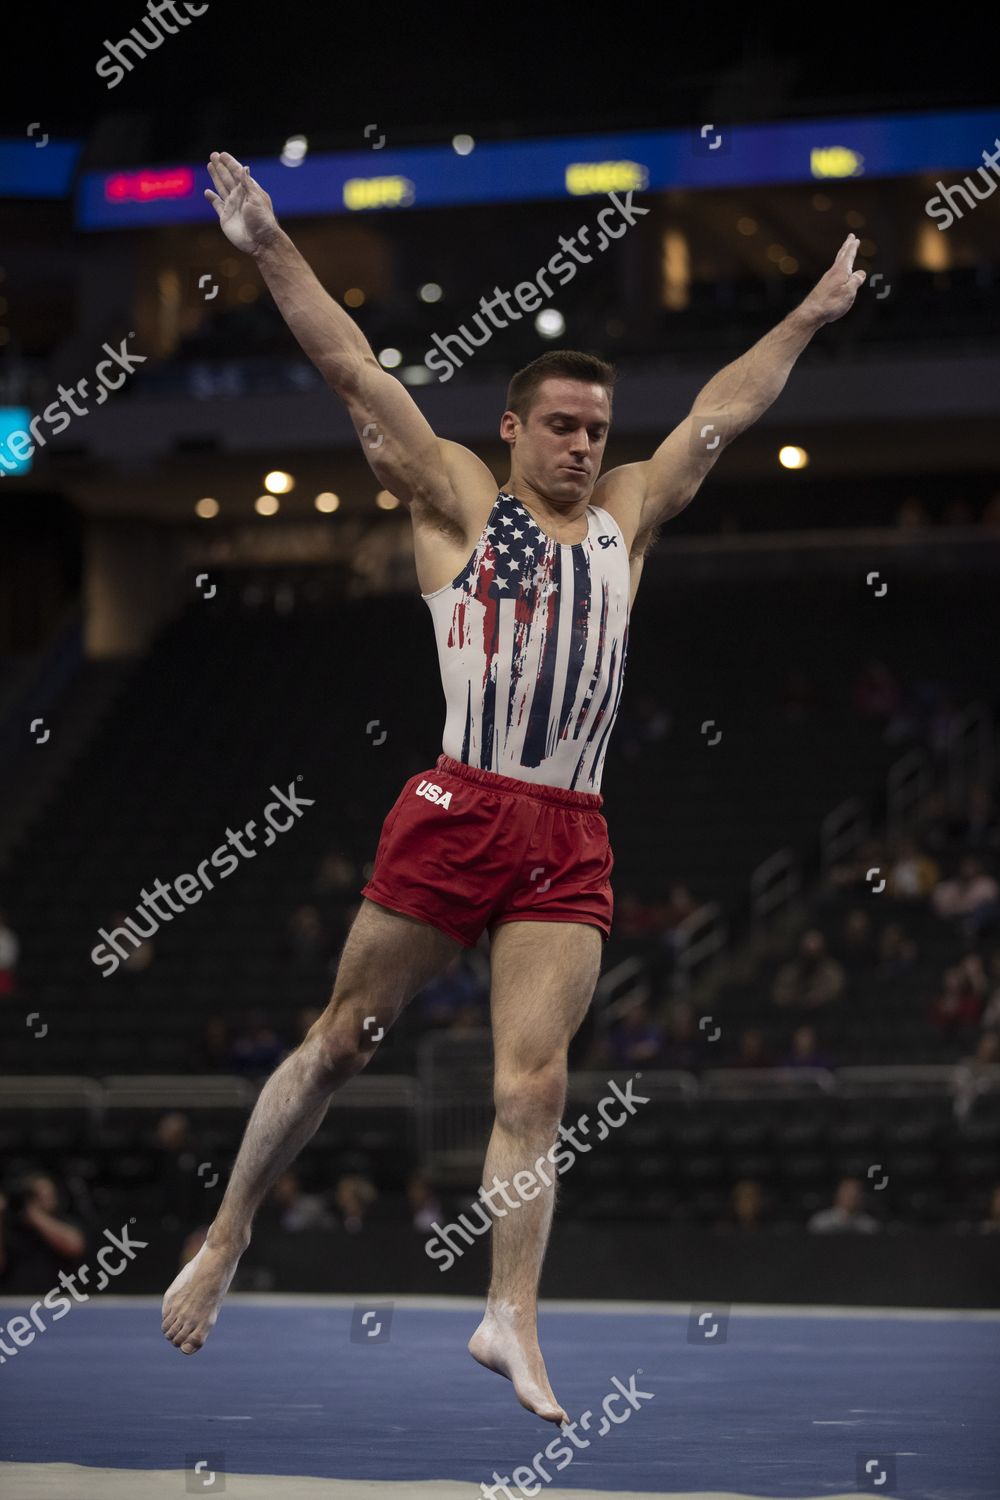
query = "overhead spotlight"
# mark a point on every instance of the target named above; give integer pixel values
(278, 482)
(791, 457)
(327, 502)
(462, 145)
(430, 292)
(207, 508)
(746, 225)
(293, 152)
(550, 324)
(390, 358)
(788, 265)
(415, 375)
(385, 501)
(266, 505)
(354, 297)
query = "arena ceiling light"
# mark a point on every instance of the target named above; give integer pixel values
(792, 457)
(327, 502)
(462, 145)
(550, 323)
(278, 482)
(385, 501)
(430, 292)
(266, 505)
(293, 152)
(207, 508)
(390, 358)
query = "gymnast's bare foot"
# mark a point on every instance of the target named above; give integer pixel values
(192, 1301)
(506, 1341)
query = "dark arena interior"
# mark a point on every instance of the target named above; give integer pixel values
(775, 1206)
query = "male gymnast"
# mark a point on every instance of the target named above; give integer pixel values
(530, 591)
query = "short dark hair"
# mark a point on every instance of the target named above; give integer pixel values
(570, 364)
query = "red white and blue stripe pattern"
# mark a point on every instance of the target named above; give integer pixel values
(532, 639)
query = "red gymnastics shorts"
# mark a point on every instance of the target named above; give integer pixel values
(465, 850)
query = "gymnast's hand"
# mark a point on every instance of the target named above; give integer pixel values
(245, 210)
(835, 292)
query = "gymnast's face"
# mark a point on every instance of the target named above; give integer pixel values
(558, 451)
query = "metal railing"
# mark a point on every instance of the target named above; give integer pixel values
(909, 780)
(971, 751)
(842, 831)
(774, 885)
(699, 940)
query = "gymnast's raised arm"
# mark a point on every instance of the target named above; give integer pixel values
(423, 471)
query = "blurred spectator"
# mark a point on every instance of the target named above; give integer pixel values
(634, 917)
(337, 875)
(943, 712)
(648, 724)
(683, 1043)
(853, 871)
(306, 938)
(973, 971)
(991, 1224)
(752, 1052)
(798, 696)
(810, 979)
(10, 949)
(847, 1215)
(897, 953)
(991, 513)
(471, 1015)
(211, 1054)
(935, 823)
(978, 829)
(987, 1053)
(679, 905)
(636, 1038)
(912, 515)
(976, 1075)
(746, 1207)
(971, 898)
(876, 694)
(36, 1242)
(959, 1004)
(295, 1210)
(179, 1191)
(991, 1013)
(425, 1205)
(459, 983)
(256, 1050)
(912, 874)
(857, 946)
(806, 1052)
(354, 1196)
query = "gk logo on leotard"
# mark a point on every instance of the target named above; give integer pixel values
(608, 541)
(433, 793)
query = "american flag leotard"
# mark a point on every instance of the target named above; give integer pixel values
(532, 640)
